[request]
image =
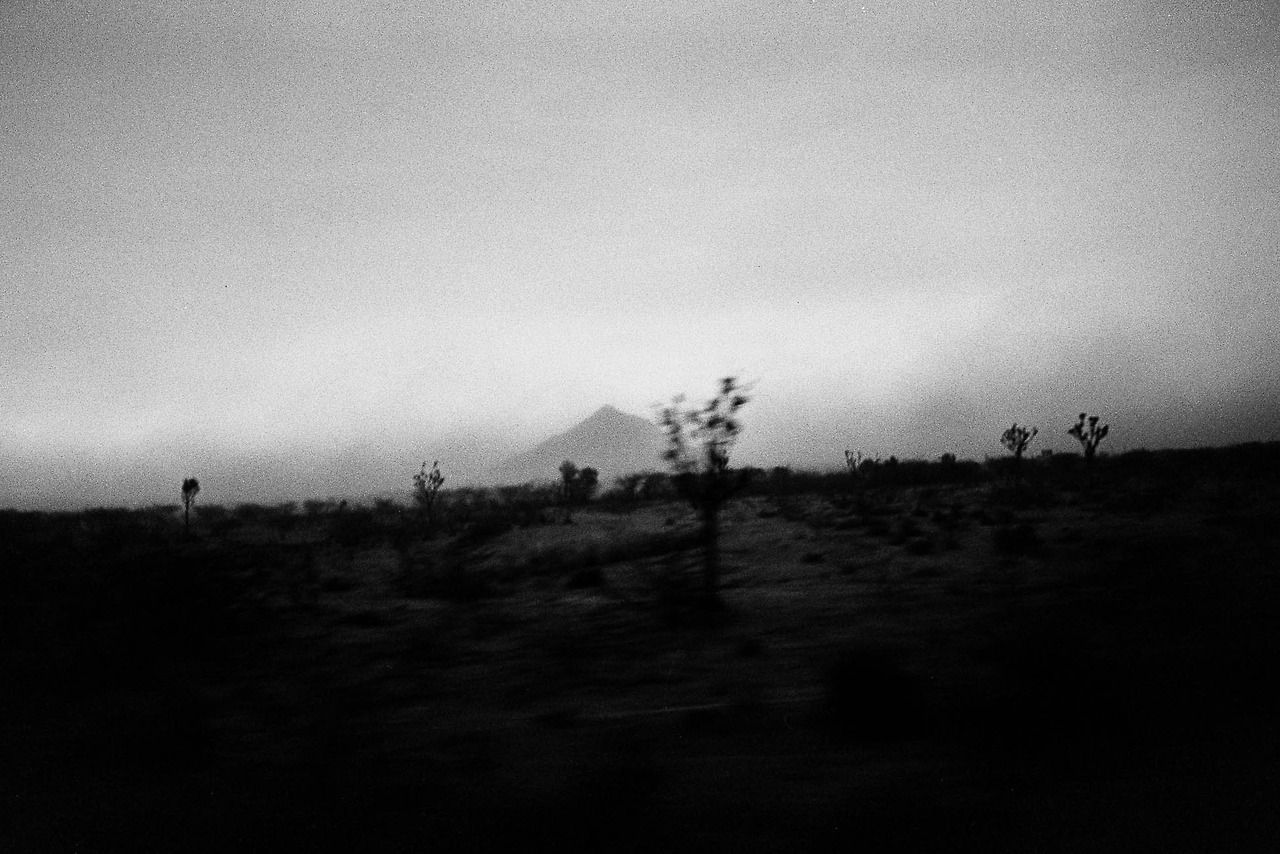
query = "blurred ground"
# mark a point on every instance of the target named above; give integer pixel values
(1032, 668)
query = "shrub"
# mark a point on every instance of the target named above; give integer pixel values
(190, 487)
(1089, 436)
(426, 492)
(698, 445)
(1016, 440)
(577, 485)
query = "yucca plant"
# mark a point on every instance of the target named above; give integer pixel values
(426, 492)
(190, 487)
(1016, 440)
(1089, 436)
(699, 440)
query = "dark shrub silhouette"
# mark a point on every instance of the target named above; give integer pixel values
(190, 487)
(577, 485)
(426, 492)
(588, 483)
(699, 441)
(1089, 436)
(568, 474)
(314, 507)
(852, 462)
(1016, 440)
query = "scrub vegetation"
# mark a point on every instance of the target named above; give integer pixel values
(906, 653)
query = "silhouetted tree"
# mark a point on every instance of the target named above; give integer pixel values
(851, 462)
(577, 486)
(860, 466)
(1089, 436)
(426, 490)
(1016, 440)
(586, 485)
(698, 444)
(190, 487)
(568, 473)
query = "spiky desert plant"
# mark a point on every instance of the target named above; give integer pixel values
(426, 491)
(1089, 436)
(1016, 440)
(699, 440)
(852, 461)
(190, 487)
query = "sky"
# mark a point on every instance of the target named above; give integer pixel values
(295, 248)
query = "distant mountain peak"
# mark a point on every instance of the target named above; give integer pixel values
(609, 412)
(609, 440)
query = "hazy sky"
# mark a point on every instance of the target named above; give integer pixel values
(295, 248)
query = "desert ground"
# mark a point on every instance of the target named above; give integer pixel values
(1077, 661)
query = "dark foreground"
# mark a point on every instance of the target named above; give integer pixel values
(1065, 666)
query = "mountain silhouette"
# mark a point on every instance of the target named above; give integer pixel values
(612, 442)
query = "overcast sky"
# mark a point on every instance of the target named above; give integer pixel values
(296, 248)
